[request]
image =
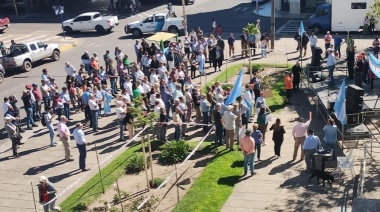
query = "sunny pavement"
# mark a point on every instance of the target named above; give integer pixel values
(278, 184)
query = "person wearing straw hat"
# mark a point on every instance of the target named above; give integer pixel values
(47, 194)
(247, 146)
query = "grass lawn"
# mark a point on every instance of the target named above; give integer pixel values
(216, 183)
(230, 71)
(92, 189)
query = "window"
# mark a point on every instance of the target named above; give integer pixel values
(359, 6)
(33, 47)
(148, 20)
(322, 12)
(159, 18)
(86, 18)
(97, 15)
(41, 45)
(78, 19)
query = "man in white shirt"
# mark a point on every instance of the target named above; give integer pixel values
(66, 102)
(137, 48)
(70, 71)
(6, 105)
(313, 42)
(139, 75)
(53, 87)
(161, 58)
(161, 70)
(154, 77)
(64, 134)
(128, 86)
(120, 114)
(81, 141)
(331, 61)
(93, 104)
(250, 98)
(229, 124)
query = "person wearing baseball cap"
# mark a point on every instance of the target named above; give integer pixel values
(331, 61)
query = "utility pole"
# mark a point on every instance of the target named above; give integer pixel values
(272, 21)
(184, 16)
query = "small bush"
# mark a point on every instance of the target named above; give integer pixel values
(174, 152)
(156, 182)
(148, 206)
(119, 198)
(136, 163)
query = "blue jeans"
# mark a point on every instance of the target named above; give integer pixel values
(251, 160)
(46, 100)
(82, 156)
(113, 86)
(333, 147)
(29, 119)
(167, 108)
(121, 129)
(51, 131)
(177, 132)
(331, 74)
(66, 110)
(219, 133)
(94, 118)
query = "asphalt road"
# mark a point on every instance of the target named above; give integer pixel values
(232, 15)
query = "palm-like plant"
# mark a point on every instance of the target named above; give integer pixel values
(251, 29)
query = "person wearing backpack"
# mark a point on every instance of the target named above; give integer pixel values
(46, 121)
(262, 121)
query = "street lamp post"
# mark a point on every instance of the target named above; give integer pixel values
(184, 16)
(59, 10)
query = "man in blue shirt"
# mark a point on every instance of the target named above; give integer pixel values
(87, 111)
(312, 142)
(81, 142)
(337, 42)
(331, 135)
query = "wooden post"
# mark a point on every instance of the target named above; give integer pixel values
(34, 198)
(145, 163)
(151, 158)
(176, 177)
(249, 64)
(100, 172)
(118, 191)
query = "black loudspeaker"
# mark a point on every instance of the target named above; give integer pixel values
(354, 99)
(316, 57)
(355, 119)
(331, 107)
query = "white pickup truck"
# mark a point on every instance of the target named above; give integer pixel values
(22, 55)
(90, 21)
(159, 22)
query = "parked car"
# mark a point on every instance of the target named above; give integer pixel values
(159, 22)
(23, 55)
(180, 2)
(90, 21)
(2, 73)
(4, 23)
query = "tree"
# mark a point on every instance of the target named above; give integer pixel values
(374, 12)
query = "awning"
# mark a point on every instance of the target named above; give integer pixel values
(161, 36)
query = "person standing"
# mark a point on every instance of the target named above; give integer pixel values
(70, 71)
(359, 70)
(337, 43)
(231, 45)
(296, 73)
(163, 125)
(205, 107)
(217, 57)
(331, 136)
(94, 108)
(81, 142)
(49, 124)
(247, 146)
(366, 25)
(255, 81)
(244, 44)
(288, 81)
(66, 102)
(327, 39)
(64, 134)
(304, 42)
(47, 195)
(312, 142)
(299, 134)
(278, 136)
(12, 133)
(213, 26)
(219, 124)
(264, 44)
(28, 106)
(376, 47)
(201, 62)
(229, 120)
(177, 123)
(249, 97)
(351, 63)
(120, 114)
(331, 61)
(350, 43)
(107, 59)
(297, 37)
(128, 120)
(313, 42)
(262, 121)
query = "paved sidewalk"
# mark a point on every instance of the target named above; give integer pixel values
(37, 159)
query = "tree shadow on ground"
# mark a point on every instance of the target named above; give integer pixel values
(229, 181)
(39, 169)
(282, 167)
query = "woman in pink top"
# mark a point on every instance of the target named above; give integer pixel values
(247, 145)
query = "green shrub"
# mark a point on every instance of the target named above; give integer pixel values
(136, 163)
(148, 206)
(156, 182)
(174, 152)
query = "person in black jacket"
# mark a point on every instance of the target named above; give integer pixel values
(217, 57)
(304, 42)
(359, 69)
(278, 136)
(351, 63)
(28, 106)
(296, 71)
(297, 37)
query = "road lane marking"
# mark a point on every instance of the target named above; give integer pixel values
(91, 44)
(237, 9)
(98, 45)
(244, 9)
